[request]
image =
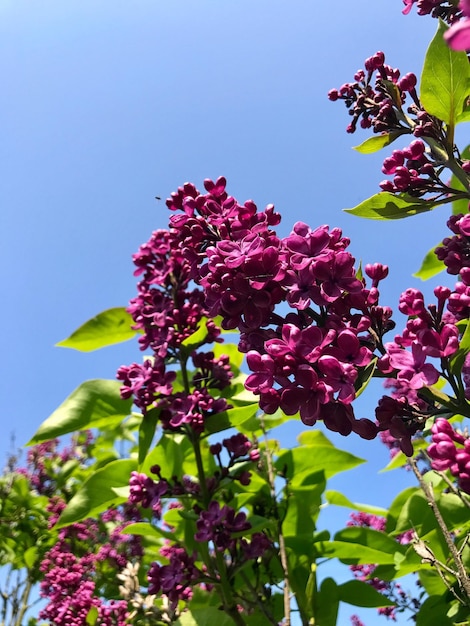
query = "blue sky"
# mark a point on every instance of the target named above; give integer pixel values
(105, 105)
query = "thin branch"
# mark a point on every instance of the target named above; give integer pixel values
(282, 544)
(463, 579)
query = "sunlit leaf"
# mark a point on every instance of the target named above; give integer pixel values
(147, 430)
(461, 205)
(339, 499)
(208, 616)
(144, 529)
(377, 142)
(96, 494)
(326, 604)
(445, 80)
(230, 418)
(105, 329)
(91, 405)
(359, 593)
(387, 206)
(430, 266)
(434, 611)
(315, 457)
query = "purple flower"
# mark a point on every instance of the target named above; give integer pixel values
(411, 366)
(458, 35)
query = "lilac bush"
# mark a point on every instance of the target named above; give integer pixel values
(206, 517)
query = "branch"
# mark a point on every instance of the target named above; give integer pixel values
(282, 545)
(461, 574)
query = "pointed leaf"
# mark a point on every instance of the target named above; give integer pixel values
(359, 593)
(430, 266)
(370, 538)
(460, 205)
(387, 206)
(144, 529)
(230, 418)
(377, 142)
(338, 499)
(105, 329)
(92, 404)
(96, 493)
(147, 430)
(315, 458)
(326, 603)
(434, 611)
(208, 616)
(198, 337)
(445, 81)
(353, 553)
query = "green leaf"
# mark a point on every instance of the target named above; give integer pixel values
(30, 556)
(197, 338)
(400, 459)
(387, 206)
(91, 405)
(230, 418)
(92, 616)
(144, 529)
(353, 553)
(171, 453)
(96, 493)
(359, 593)
(207, 616)
(430, 266)
(326, 603)
(370, 538)
(147, 430)
(460, 205)
(105, 329)
(338, 499)
(318, 455)
(396, 507)
(445, 80)
(377, 142)
(365, 377)
(457, 360)
(434, 611)
(304, 504)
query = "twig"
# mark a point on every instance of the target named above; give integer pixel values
(282, 544)
(463, 579)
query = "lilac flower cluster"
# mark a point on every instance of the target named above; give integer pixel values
(381, 99)
(375, 99)
(430, 333)
(447, 10)
(454, 13)
(310, 361)
(454, 251)
(73, 568)
(177, 578)
(450, 450)
(168, 312)
(413, 170)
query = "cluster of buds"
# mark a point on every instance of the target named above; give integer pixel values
(413, 170)
(454, 251)
(376, 97)
(450, 450)
(447, 10)
(409, 362)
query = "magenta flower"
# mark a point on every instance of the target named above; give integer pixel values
(412, 367)
(458, 35)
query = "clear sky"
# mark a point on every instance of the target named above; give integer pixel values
(105, 105)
